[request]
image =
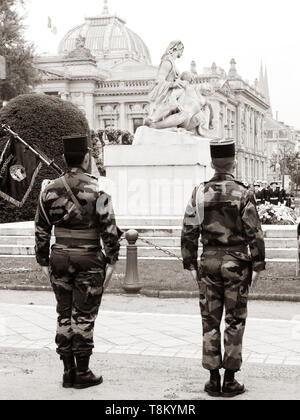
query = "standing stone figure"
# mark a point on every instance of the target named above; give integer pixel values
(223, 212)
(77, 268)
(175, 102)
(168, 78)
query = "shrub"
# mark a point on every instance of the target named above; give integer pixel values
(115, 137)
(40, 120)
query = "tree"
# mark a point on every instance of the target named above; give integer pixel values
(40, 120)
(289, 164)
(19, 54)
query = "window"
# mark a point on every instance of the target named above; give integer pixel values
(109, 124)
(269, 134)
(282, 134)
(52, 94)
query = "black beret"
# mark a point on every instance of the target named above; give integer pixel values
(222, 148)
(75, 144)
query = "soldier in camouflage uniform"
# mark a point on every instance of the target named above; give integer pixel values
(223, 212)
(77, 268)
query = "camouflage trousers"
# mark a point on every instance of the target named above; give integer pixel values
(223, 284)
(77, 279)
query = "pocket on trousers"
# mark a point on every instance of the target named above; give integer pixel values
(203, 299)
(59, 263)
(242, 302)
(89, 288)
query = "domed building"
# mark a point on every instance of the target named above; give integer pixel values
(108, 40)
(103, 67)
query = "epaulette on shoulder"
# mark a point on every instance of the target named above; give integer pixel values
(241, 183)
(93, 177)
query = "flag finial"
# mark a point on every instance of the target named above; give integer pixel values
(105, 8)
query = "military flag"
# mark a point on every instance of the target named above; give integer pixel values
(19, 167)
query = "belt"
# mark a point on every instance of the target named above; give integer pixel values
(238, 248)
(90, 234)
(69, 237)
(73, 242)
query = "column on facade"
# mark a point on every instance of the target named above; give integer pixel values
(221, 119)
(247, 126)
(252, 130)
(241, 167)
(89, 107)
(123, 125)
(246, 168)
(262, 134)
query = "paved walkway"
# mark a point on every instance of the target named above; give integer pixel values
(267, 341)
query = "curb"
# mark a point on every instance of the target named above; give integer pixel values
(161, 294)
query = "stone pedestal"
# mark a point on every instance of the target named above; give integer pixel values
(156, 176)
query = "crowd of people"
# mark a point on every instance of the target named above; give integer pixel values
(273, 193)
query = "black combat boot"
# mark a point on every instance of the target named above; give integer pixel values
(213, 387)
(69, 372)
(231, 388)
(84, 377)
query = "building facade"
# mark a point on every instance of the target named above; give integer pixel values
(280, 140)
(106, 70)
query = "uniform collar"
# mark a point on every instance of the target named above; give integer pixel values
(79, 170)
(222, 177)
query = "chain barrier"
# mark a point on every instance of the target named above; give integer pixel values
(158, 248)
(166, 252)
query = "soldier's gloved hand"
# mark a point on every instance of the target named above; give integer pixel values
(46, 272)
(109, 273)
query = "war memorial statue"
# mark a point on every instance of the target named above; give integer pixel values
(176, 101)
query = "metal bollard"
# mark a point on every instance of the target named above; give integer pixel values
(132, 284)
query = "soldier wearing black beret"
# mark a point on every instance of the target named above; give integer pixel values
(223, 213)
(81, 215)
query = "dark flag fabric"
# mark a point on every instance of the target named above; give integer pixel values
(19, 167)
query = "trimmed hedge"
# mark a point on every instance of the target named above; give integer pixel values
(42, 120)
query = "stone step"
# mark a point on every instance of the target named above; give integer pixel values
(163, 241)
(280, 253)
(151, 252)
(280, 231)
(17, 229)
(154, 231)
(160, 227)
(150, 221)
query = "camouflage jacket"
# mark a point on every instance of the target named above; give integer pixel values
(56, 208)
(223, 212)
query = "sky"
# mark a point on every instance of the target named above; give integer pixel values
(250, 31)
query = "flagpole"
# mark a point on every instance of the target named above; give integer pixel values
(38, 152)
